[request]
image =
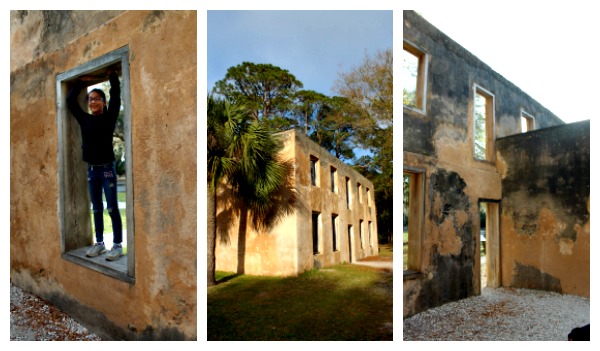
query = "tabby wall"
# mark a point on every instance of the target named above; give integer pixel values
(546, 209)
(287, 248)
(438, 145)
(161, 303)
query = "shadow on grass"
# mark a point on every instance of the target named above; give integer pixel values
(227, 278)
(345, 302)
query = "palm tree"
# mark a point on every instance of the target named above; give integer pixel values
(242, 157)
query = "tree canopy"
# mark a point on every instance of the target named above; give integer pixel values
(265, 89)
(361, 115)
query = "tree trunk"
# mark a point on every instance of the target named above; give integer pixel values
(211, 235)
(242, 239)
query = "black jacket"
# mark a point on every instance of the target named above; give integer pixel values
(97, 131)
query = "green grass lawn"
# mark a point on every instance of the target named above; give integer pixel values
(386, 250)
(344, 302)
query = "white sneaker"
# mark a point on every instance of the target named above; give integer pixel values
(115, 252)
(97, 249)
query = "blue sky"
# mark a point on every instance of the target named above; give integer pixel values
(314, 46)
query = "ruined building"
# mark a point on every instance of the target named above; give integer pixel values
(150, 293)
(473, 139)
(332, 220)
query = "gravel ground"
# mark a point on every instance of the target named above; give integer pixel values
(502, 314)
(34, 319)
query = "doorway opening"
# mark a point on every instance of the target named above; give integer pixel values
(488, 244)
(413, 184)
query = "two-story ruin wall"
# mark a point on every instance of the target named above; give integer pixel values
(151, 292)
(332, 219)
(450, 176)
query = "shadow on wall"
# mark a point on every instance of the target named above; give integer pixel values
(283, 203)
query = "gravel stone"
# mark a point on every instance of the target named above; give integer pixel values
(502, 314)
(34, 319)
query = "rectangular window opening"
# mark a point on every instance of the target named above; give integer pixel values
(483, 122)
(316, 216)
(370, 227)
(350, 243)
(348, 193)
(414, 77)
(359, 190)
(335, 232)
(360, 233)
(333, 173)
(527, 122)
(76, 215)
(314, 174)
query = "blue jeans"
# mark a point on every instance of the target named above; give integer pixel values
(104, 177)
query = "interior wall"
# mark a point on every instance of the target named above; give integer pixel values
(546, 209)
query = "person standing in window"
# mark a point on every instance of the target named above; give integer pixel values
(97, 131)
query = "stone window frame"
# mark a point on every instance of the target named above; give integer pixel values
(528, 120)
(416, 222)
(422, 76)
(490, 122)
(74, 204)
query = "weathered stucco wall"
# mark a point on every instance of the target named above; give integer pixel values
(162, 302)
(243, 249)
(287, 248)
(546, 209)
(321, 199)
(439, 144)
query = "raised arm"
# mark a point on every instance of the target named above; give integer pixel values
(115, 95)
(72, 102)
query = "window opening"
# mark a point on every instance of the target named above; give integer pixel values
(314, 163)
(483, 117)
(350, 242)
(333, 179)
(348, 193)
(315, 232)
(334, 231)
(359, 190)
(414, 77)
(75, 210)
(527, 122)
(360, 233)
(370, 227)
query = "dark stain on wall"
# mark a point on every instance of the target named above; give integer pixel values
(153, 20)
(529, 277)
(417, 134)
(452, 274)
(449, 187)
